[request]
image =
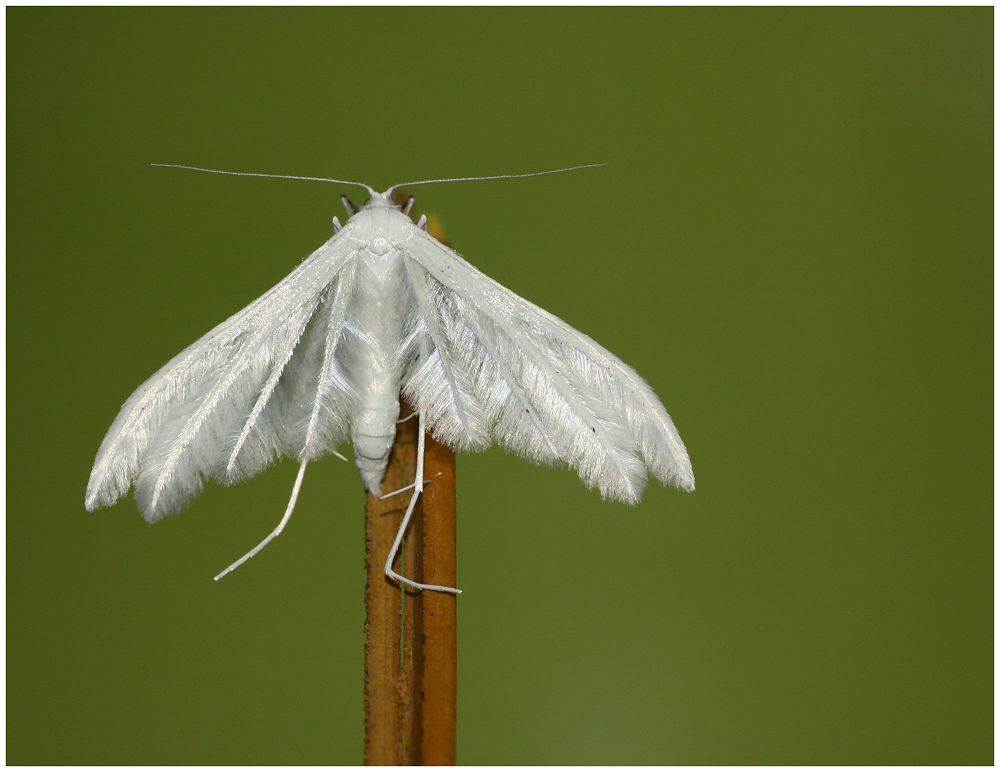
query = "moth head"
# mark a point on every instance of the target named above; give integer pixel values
(400, 202)
(376, 201)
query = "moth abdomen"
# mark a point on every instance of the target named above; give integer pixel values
(372, 434)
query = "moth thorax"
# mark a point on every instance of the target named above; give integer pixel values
(379, 246)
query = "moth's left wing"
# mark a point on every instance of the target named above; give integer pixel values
(498, 368)
(259, 385)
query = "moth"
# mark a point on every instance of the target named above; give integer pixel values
(383, 309)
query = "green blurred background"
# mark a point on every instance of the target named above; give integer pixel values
(791, 242)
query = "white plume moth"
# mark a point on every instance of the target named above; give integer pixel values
(381, 309)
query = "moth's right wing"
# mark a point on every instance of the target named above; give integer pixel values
(250, 390)
(499, 368)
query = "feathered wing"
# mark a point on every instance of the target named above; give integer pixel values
(502, 369)
(237, 398)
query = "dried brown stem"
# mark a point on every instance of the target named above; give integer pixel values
(410, 698)
(439, 618)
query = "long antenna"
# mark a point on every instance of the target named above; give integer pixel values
(368, 187)
(279, 176)
(494, 177)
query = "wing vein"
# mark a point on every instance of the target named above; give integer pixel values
(338, 312)
(419, 283)
(486, 341)
(272, 382)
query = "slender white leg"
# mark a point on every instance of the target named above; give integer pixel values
(276, 531)
(417, 490)
(384, 496)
